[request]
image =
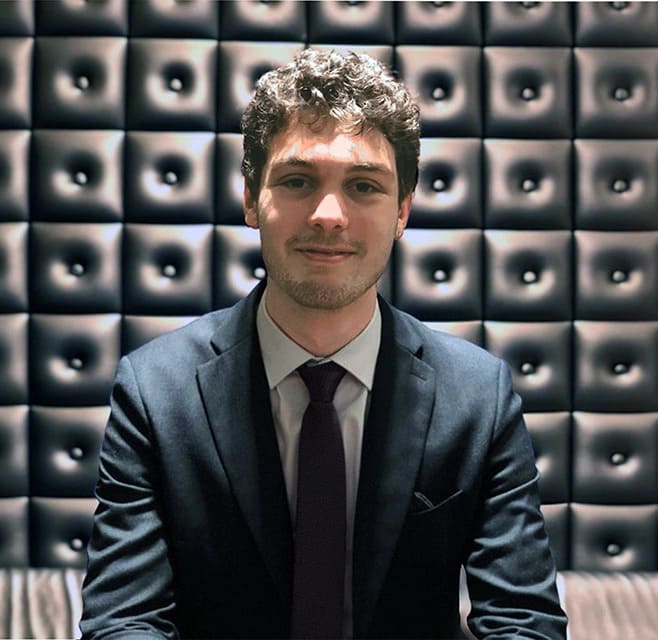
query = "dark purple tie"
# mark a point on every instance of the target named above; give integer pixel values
(319, 572)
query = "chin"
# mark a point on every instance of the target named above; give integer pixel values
(315, 295)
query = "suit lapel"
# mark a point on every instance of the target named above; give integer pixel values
(393, 443)
(235, 394)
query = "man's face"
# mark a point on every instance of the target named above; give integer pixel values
(328, 213)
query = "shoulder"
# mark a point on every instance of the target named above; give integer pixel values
(186, 346)
(442, 350)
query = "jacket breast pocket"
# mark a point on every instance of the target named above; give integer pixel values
(422, 506)
(433, 535)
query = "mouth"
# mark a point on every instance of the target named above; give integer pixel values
(321, 253)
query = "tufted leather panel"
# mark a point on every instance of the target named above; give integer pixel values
(95, 98)
(13, 266)
(438, 274)
(533, 232)
(240, 64)
(527, 23)
(14, 169)
(527, 275)
(616, 186)
(613, 84)
(75, 268)
(446, 84)
(171, 88)
(449, 184)
(166, 268)
(527, 92)
(76, 176)
(15, 103)
(438, 23)
(528, 184)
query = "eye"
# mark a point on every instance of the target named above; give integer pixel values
(362, 187)
(296, 183)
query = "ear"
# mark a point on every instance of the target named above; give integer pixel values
(249, 207)
(403, 215)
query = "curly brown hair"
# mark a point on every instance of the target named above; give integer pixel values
(355, 90)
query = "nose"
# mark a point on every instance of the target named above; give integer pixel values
(329, 213)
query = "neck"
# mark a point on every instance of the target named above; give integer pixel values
(321, 332)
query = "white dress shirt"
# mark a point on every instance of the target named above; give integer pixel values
(289, 398)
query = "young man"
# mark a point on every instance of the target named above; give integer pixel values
(235, 500)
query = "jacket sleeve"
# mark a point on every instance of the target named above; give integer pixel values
(127, 591)
(510, 570)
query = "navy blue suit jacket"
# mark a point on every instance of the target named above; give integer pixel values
(192, 534)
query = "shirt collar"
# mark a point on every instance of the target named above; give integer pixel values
(282, 356)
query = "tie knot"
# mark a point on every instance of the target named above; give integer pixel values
(321, 380)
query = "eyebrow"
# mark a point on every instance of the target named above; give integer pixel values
(295, 161)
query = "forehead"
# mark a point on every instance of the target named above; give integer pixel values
(328, 144)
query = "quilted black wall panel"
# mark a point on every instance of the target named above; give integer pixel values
(534, 230)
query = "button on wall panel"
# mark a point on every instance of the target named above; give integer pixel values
(470, 330)
(445, 82)
(528, 184)
(77, 176)
(240, 66)
(15, 81)
(551, 441)
(171, 84)
(616, 366)
(14, 150)
(440, 23)
(527, 275)
(343, 22)
(527, 23)
(13, 358)
(14, 519)
(449, 187)
(617, 93)
(62, 17)
(616, 24)
(79, 82)
(617, 187)
(617, 275)
(167, 269)
(614, 538)
(13, 267)
(14, 463)
(230, 182)
(285, 20)
(437, 274)
(528, 92)
(60, 530)
(199, 19)
(170, 177)
(17, 18)
(238, 264)
(76, 268)
(540, 359)
(64, 448)
(615, 458)
(138, 330)
(73, 358)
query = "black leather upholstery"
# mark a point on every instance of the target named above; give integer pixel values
(534, 231)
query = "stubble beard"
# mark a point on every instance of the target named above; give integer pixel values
(316, 294)
(319, 295)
